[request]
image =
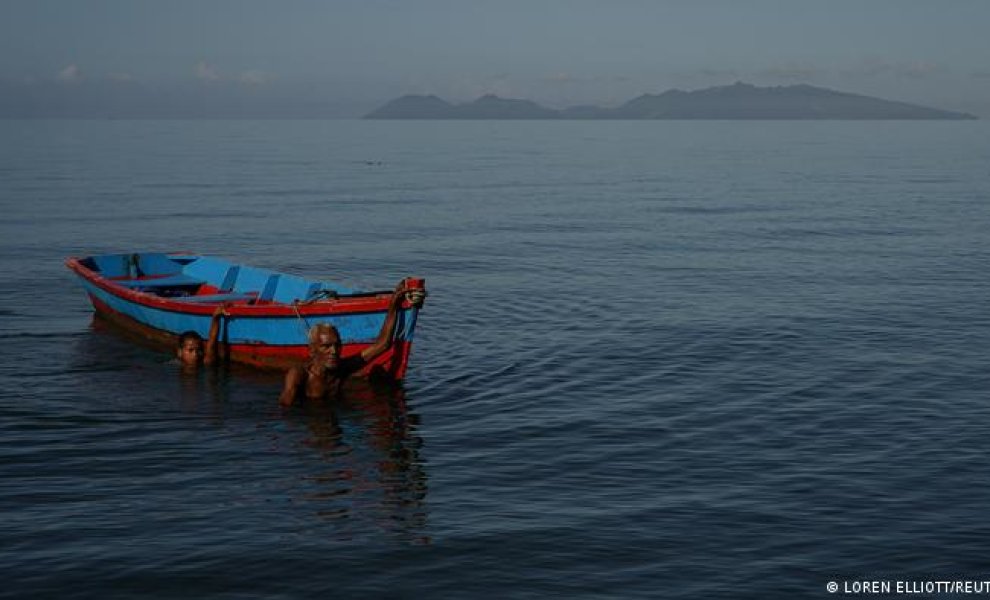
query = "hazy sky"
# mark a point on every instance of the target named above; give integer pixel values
(357, 54)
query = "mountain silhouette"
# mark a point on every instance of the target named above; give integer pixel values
(736, 101)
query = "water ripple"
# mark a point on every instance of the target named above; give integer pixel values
(698, 360)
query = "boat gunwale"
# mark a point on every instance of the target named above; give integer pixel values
(335, 306)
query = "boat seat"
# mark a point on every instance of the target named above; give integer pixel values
(176, 280)
(218, 298)
(229, 278)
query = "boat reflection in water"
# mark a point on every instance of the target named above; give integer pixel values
(372, 471)
(352, 463)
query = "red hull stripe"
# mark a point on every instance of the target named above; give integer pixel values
(342, 306)
(392, 362)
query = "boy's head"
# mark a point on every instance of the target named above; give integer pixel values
(190, 349)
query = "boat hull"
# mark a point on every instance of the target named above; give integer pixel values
(271, 335)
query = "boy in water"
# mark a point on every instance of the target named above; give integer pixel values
(191, 350)
(325, 371)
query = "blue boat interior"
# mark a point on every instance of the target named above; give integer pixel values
(204, 279)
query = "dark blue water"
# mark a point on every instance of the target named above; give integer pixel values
(659, 360)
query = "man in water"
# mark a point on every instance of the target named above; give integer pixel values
(325, 371)
(191, 350)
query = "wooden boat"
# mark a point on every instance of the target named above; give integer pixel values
(160, 296)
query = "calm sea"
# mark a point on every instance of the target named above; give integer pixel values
(658, 360)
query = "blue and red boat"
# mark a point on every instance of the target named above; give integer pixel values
(160, 296)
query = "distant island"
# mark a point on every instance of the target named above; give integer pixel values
(738, 101)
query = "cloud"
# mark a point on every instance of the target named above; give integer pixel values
(706, 74)
(793, 72)
(709, 72)
(920, 69)
(980, 75)
(254, 78)
(120, 77)
(570, 79)
(70, 74)
(563, 78)
(206, 72)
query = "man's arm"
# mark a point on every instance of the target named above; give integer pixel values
(210, 351)
(387, 335)
(293, 379)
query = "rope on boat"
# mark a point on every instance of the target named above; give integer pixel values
(333, 295)
(318, 295)
(321, 295)
(302, 320)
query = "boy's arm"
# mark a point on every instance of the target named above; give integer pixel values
(210, 352)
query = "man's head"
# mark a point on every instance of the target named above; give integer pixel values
(190, 349)
(324, 345)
